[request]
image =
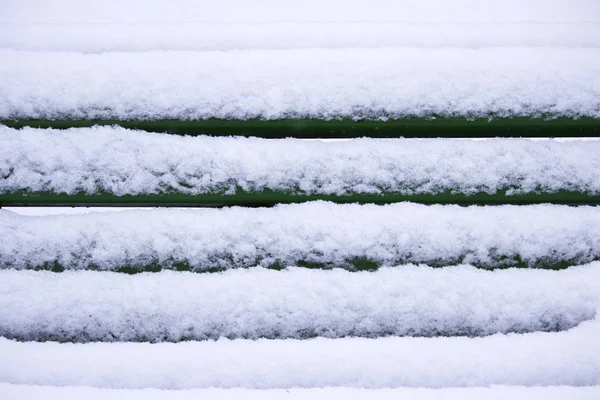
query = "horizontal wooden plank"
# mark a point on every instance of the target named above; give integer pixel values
(116, 166)
(383, 82)
(405, 301)
(317, 235)
(454, 127)
(270, 198)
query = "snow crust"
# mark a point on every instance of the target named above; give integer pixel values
(302, 83)
(120, 161)
(297, 303)
(263, 11)
(126, 25)
(317, 234)
(535, 359)
(183, 59)
(102, 37)
(26, 392)
(237, 24)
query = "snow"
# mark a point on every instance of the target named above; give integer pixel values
(201, 36)
(263, 11)
(297, 303)
(535, 359)
(26, 392)
(318, 234)
(120, 161)
(118, 25)
(94, 26)
(42, 211)
(142, 25)
(537, 329)
(302, 83)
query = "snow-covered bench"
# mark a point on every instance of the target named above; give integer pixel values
(115, 166)
(453, 241)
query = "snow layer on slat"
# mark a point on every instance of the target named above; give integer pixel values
(113, 36)
(264, 11)
(297, 303)
(535, 359)
(120, 25)
(26, 392)
(318, 234)
(120, 161)
(301, 83)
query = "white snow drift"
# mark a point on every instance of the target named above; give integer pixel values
(263, 11)
(301, 83)
(33, 392)
(120, 161)
(193, 36)
(298, 303)
(535, 359)
(319, 233)
(236, 24)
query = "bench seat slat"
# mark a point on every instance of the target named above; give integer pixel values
(117, 166)
(453, 127)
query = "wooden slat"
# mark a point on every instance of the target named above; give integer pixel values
(346, 128)
(269, 198)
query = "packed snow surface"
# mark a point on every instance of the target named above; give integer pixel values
(120, 161)
(297, 303)
(118, 25)
(534, 359)
(302, 83)
(235, 59)
(263, 11)
(33, 392)
(317, 234)
(114, 36)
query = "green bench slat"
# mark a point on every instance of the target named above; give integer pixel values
(357, 264)
(310, 235)
(269, 198)
(456, 127)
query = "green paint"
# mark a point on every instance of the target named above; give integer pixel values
(268, 198)
(363, 263)
(346, 128)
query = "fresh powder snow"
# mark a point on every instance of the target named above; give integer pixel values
(298, 303)
(326, 331)
(102, 26)
(302, 83)
(121, 161)
(20, 392)
(532, 359)
(318, 234)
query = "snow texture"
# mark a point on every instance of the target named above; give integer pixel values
(317, 234)
(297, 303)
(35, 392)
(535, 359)
(264, 11)
(119, 25)
(202, 36)
(120, 161)
(234, 59)
(302, 83)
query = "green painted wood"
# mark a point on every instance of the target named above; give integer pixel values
(270, 198)
(354, 265)
(455, 127)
